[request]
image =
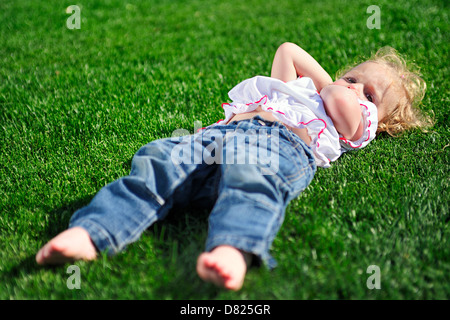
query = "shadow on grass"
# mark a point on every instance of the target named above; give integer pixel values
(178, 240)
(181, 238)
(57, 221)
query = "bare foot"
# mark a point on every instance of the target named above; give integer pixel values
(70, 245)
(224, 266)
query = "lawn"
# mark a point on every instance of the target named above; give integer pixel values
(76, 104)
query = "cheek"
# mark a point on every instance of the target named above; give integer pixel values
(381, 111)
(389, 103)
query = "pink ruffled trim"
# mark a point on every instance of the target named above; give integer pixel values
(321, 131)
(270, 108)
(305, 124)
(251, 103)
(280, 112)
(368, 131)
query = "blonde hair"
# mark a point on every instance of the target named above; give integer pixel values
(405, 114)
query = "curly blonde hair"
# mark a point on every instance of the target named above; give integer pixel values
(405, 114)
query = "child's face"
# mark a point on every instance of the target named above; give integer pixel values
(372, 82)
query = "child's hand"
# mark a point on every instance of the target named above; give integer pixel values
(342, 106)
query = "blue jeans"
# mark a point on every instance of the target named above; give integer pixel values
(249, 170)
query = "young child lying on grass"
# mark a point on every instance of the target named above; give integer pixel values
(251, 164)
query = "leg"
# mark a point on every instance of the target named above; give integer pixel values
(122, 210)
(242, 224)
(250, 208)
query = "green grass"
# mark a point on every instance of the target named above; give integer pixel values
(76, 105)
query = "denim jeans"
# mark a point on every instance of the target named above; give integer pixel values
(249, 170)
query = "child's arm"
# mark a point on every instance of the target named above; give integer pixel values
(291, 61)
(342, 106)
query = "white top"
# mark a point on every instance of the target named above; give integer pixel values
(298, 104)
